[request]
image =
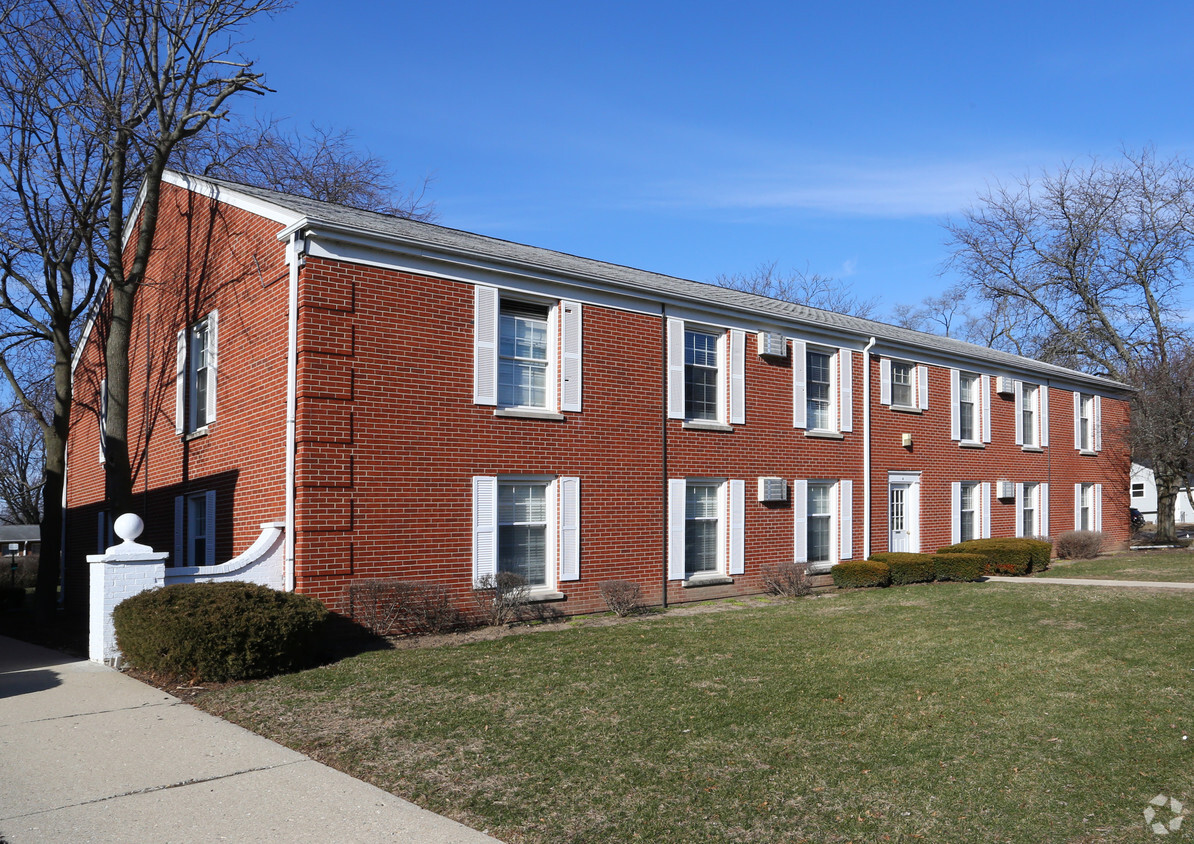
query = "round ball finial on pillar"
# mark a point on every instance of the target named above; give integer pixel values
(128, 527)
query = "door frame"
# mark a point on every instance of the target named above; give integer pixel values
(911, 507)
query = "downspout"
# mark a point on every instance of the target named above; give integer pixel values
(866, 449)
(294, 255)
(663, 360)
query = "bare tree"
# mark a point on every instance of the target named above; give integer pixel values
(814, 290)
(1094, 261)
(95, 97)
(322, 164)
(1162, 429)
(22, 473)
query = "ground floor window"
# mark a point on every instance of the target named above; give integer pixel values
(966, 512)
(195, 529)
(1032, 509)
(820, 523)
(702, 522)
(522, 531)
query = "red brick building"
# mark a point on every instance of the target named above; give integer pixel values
(421, 403)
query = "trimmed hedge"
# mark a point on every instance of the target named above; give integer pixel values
(860, 573)
(907, 568)
(1006, 556)
(964, 567)
(218, 631)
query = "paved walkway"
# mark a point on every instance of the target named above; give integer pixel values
(89, 754)
(1078, 581)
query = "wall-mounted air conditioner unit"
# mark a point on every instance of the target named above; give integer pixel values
(1005, 385)
(773, 489)
(1006, 489)
(773, 344)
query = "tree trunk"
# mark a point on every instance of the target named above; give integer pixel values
(1167, 489)
(118, 469)
(48, 567)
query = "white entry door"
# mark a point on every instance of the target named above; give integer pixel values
(901, 515)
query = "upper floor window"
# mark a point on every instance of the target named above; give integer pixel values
(196, 372)
(523, 362)
(1087, 422)
(702, 376)
(967, 406)
(526, 354)
(819, 375)
(903, 385)
(1032, 415)
(706, 374)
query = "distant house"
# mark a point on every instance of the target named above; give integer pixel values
(23, 540)
(1144, 497)
(426, 404)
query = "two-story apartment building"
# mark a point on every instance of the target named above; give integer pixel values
(420, 403)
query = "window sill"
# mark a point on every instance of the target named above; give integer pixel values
(819, 568)
(536, 596)
(825, 435)
(1086, 452)
(904, 408)
(528, 413)
(1032, 449)
(971, 444)
(698, 580)
(700, 425)
(194, 435)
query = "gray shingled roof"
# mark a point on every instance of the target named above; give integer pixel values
(18, 533)
(655, 284)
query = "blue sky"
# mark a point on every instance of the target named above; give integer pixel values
(703, 138)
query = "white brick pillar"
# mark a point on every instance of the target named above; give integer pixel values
(120, 572)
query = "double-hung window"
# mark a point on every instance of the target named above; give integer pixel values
(526, 354)
(706, 380)
(195, 529)
(966, 515)
(1032, 415)
(1087, 423)
(196, 375)
(1032, 509)
(903, 385)
(970, 410)
(523, 361)
(823, 511)
(822, 389)
(706, 528)
(971, 511)
(702, 376)
(527, 526)
(1088, 506)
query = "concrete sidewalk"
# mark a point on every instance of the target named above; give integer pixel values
(88, 754)
(1078, 581)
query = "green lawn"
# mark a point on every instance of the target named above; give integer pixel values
(1132, 565)
(945, 713)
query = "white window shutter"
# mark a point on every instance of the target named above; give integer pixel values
(799, 384)
(209, 506)
(486, 328)
(1043, 509)
(922, 373)
(1043, 392)
(737, 518)
(845, 362)
(180, 558)
(1019, 415)
(675, 369)
(1077, 506)
(985, 492)
(1098, 506)
(884, 381)
(800, 511)
(103, 421)
(1019, 509)
(677, 489)
(955, 512)
(1098, 423)
(1077, 420)
(180, 385)
(569, 528)
(846, 518)
(213, 367)
(737, 377)
(485, 495)
(955, 405)
(571, 347)
(985, 382)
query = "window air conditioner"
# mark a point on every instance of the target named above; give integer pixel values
(773, 489)
(1005, 386)
(1007, 489)
(773, 344)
